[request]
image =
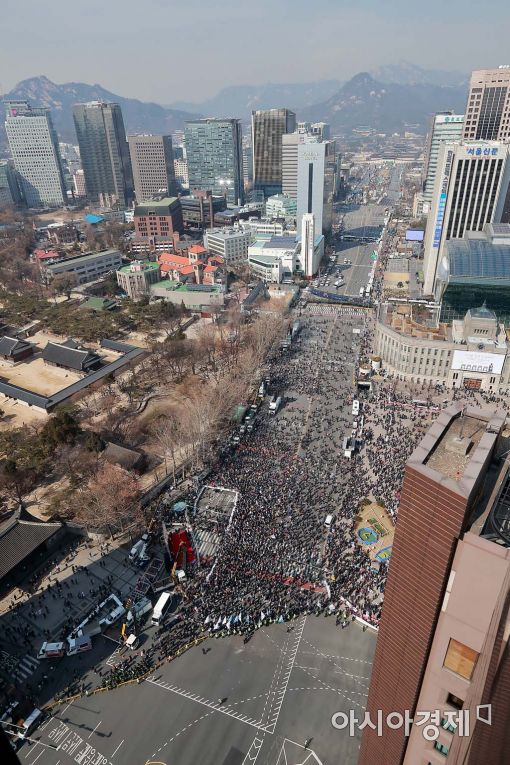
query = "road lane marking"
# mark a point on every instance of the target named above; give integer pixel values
(291, 658)
(41, 752)
(224, 710)
(119, 746)
(93, 731)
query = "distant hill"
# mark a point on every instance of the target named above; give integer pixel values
(240, 100)
(139, 116)
(405, 73)
(386, 107)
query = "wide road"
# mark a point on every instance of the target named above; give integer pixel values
(358, 221)
(225, 703)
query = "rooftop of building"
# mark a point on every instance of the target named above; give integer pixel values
(478, 256)
(171, 286)
(156, 205)
(458, 448)
(281, 243)
(147, 265)
(227, 233)
(85, 258)
(264, 260)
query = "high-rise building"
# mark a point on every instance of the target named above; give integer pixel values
(268, 127)
(310, 182)
(79, 187)
(321, 130)
(471, 189)
(247, 166)
(10, 192)
(312, 246)
(215, 159)
(446, 128)
(290, 143)
(34, 147)
(181, 172)
(104, 153)
(443, 641)
(152, 162)
(488, 108)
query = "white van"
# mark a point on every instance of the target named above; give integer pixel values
(161, 608)
(328, 521)
(79, 645)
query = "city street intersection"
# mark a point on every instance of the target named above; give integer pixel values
(225, 703)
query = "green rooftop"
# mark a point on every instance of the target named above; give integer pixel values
(173, 286)
(158, 205)
(99, 304)
(148, 265)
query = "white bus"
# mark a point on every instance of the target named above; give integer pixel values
(355, 407)
(161, 607)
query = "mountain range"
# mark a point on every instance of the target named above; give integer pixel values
(400, 95)
(240, 100)
(139, 116)
(386, 107)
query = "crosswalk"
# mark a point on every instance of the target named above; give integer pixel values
(316, 308)
(25, 668)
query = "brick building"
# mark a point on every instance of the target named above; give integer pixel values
(161, 217)
(443, 639)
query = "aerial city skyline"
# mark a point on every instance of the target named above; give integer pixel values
(255, 387)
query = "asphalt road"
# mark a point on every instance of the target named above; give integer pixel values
(225, 703)
(361, 221)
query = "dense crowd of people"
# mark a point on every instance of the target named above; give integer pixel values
(277, 560)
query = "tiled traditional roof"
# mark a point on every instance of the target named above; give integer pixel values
(18, 538)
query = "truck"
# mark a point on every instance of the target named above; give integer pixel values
(68, 647)
(296, 329)
(161, 607)
(355, 407)
(274, 404)
(138, 553)
(138, 610)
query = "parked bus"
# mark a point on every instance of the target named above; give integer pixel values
(355, 407)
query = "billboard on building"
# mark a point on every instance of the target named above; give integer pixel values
(414, 235)
(477, 361)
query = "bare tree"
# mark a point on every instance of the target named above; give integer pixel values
(110, 500)
(169, 434)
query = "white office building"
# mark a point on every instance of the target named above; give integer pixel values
(471, 189)
(446, 128)
(34, 147)
(229, 243)
(281, 206)
(181, 172)
(263, 227)
(310, 254)
(311, 182)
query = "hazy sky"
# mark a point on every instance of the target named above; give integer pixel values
(164, 50)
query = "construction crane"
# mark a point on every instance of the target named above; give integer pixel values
(176, 560)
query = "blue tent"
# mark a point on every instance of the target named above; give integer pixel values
(179, 507)
(93, 219)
